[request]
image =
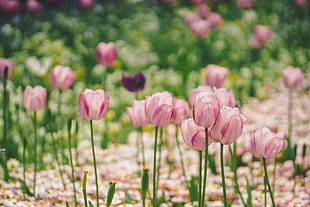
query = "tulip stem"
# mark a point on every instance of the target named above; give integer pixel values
(268, 184)
(5, 103)
(71, 161)
(223, 176)
(94, 159)
(181, 157)
(35, 152)
(205, 170)
(200, 179)
(154, 168)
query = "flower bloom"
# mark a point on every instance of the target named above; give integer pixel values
(267, 144)
(158, 108)
(196, 91)
(3, 64)
(35, 98)
(180, 111)
(215, 75)
(86, 4)
(301, 3)
(245, 4)
(228, 126)
(293, 78)
(133, 83)
(225, 98)
(137, 114)
(206, 109)
(193, 135)
(93, 104)
(261, 34)
(33, 7)
(215, 20)
(200, 28)
(106, 54)
(62, 77)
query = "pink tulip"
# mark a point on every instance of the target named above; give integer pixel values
(106, 54)
(225, 98)
(293, 78)
(6, 63)
(215, 75)
(206, 109)
(245, 4)
(33, 7)
(86, 4)
(194, 135)
(13, 7)
(137, 114)
(261, 34)
(215, 20)
(191, 17)
(200, 28)
(228, 126)
(35, 98)
(301, 3)
(158, 108)
(267, 144)
(62, 77)
(203, 11)
(180, 111)
(196, 91)
(93, 105)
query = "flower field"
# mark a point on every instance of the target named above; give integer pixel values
(155, 103)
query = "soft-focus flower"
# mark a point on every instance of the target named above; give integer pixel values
(35, 98)
(6, 63)
(301, 3)
(225, 98)
(267, 144)
(215, 75)
(191, 17)
(137, 114)
(86, 4)
(93, 104)
(193, 135)
(206, 109)
(203, 11)
(228, 126)
(200, 28)
(196, 91)
(12, 7)
(33, 7)
(180, 111)
(62, 77)
(133, 83)
(215, 20)
(261, 34)
(106, 53)
(245, 4)
(158, 108)
(293, 78)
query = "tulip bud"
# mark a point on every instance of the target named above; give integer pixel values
(33, 7)
(261, 34)
(35, 98)
(84, 180)
(145, 183)
(215, 75)
(106, 54)
(62, 77)
(6, 63)
(111, 192)
(133, 83)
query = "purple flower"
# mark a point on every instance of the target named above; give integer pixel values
(133, 83)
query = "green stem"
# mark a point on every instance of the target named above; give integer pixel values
(290, 124)
(5, 101)
(200, 179)
(85, 197)
(160, 154)
(154, 168)
(24, 162)
(142, 148)
(268, 184)
(205, 170)
(223, 176)
(181, 157)
(94, 159)
(35, 153)
(234, 168)
(274, 173)
(265, 192)
(71, 163)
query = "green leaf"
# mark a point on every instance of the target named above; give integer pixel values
(90, 204)
(111, 192)
(25, 188)
(193, 190)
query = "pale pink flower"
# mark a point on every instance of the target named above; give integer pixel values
(106, 53)
(158, 108)
(33, 7)
(215, 75)
(215, 20)
(194, 135)
(301, 3)
(245, 4)
(261, 34)
(196, 91)
(203, 11)
(228, 126)
(191, 17)
(293, 78)
(267, 144)
(62, 77)
(86, 4)
(35, 98)
(6, 63)
(225, 98)
(137, 115)
(93, 105)
(180, 111)
(200, 28)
